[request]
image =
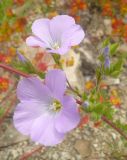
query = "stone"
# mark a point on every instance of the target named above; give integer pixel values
(55, 156)
(83, 147)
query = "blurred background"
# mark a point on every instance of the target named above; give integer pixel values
(100, 19)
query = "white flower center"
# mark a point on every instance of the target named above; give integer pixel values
(56, 45)
(55, 106)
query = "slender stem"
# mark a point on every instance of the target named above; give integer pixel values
(10, 69)
(72, 89)
(110, 123)
(78, 102)
(28, 154)
(12, 144)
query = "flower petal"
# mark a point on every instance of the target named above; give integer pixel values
(73, 36)
(35, 42)
(41, 29)
(25, 114)
(33, 89)
(59, 24)
(44, 132)
(69, 117)
(56, 82)
(62, 50)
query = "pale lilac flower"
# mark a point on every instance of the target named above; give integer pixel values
(107, 62)
(56, 35)
(106, 57)
(45, 113)
(106, 51)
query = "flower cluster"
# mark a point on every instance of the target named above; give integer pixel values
(49, 106)
(46, 112)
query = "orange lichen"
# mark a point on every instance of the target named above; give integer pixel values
(4, 84)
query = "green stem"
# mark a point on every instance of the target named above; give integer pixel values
(72, 89)
(56, 58)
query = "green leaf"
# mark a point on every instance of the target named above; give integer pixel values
(113, 48)
(115, 68)
(27, 67)
(101, 58)
(105, 42)
(95, 116)
(41, 75)
(84, 96)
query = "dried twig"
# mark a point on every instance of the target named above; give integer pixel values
(12, 144)
(110, 123)
(29, 154)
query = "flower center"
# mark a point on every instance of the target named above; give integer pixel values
(56, 45)
(56, 106)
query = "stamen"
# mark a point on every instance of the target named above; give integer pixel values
(56, 45)
(56, 106)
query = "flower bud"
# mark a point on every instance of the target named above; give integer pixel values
(85, 104)
(21, 57)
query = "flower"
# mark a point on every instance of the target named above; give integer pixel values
(89, 85)
(20, 24)
(4, 84)
(107, 62)
(19, 2)
(85, 119)
(56, 35)
(21, 57)
(106, 51)
(45, 113)
(115, 100)
(106, 57)
(86, 104)
(107, 10)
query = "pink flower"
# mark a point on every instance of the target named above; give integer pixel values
(45, 113)
(56, 35)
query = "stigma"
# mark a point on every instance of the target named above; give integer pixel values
(56, 45)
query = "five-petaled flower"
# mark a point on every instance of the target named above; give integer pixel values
(56, 35)
(45, 112)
